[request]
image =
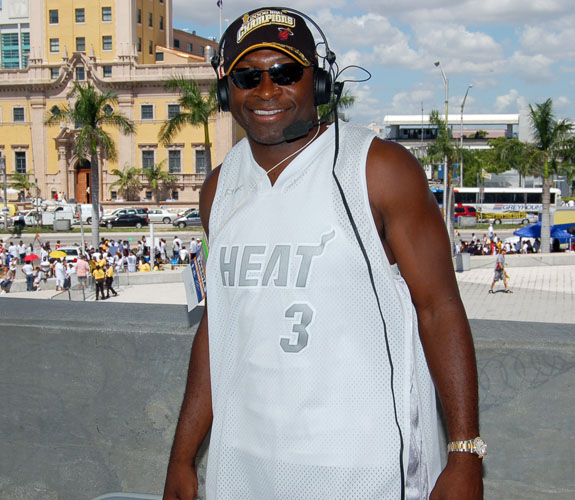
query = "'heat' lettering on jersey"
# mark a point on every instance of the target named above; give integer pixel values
(259, 265)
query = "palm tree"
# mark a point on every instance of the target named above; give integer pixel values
(511, 154)
(129, 184)
(92, 111)
(158, 180)
(21, 183)
(195, 109)
(346, 101)
(550, 137)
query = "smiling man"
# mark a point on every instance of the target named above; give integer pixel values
(332, 319)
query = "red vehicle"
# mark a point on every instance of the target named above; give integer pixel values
(465, 211)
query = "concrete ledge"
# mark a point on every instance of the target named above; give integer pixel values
(90, 402)
(529, 260)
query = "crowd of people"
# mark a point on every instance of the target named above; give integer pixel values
(491, 244)
(100, 263)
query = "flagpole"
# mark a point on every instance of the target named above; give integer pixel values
(220, 7)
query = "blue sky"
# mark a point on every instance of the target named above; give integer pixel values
(513, 52)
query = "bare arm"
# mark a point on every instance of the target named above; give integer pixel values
(196, 413)
(414, 235)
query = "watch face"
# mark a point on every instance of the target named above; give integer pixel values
(480, 447)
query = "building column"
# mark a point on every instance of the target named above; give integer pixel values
(39, 147)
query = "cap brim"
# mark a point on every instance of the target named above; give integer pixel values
(268, 45)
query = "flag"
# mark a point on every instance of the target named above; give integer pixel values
(220, 2)
(485, 174)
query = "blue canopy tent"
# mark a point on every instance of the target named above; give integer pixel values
(562, 232)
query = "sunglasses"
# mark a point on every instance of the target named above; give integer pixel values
(280, 74)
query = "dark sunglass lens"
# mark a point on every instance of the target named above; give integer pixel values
(248, 78)
(286, 74)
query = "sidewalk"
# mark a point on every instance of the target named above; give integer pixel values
(541, 294)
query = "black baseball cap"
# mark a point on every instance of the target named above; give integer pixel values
(266, 28)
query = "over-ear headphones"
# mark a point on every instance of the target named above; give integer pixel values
(323, 87)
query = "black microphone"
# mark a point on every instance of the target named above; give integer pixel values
(299, 129)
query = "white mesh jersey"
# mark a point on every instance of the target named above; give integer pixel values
(300, 375)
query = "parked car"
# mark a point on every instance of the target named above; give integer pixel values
(464, 211)
(125, 220)
(142, 212)
(161, 215)
(192, 219)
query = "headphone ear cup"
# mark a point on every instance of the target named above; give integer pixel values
(322, 86)
(223, 94)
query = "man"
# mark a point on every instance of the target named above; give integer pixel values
(99, 275)
(110, 281)
(312, 377)
(28, 270)
(82, 270)
(500, 273)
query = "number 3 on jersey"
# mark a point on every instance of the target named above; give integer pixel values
(303, 314)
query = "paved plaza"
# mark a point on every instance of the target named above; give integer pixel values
(541, 294)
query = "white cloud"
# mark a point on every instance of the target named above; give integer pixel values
(510, 102)
(532, 68)
(562, 101)
(553, 43)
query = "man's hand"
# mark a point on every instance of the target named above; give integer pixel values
(460, 480)
(181, 481)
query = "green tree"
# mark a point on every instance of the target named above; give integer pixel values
(551, 136)
(195, 110)
(159, 181)
(511, 154)
(91, 112)
(22, 183)
(128, 182)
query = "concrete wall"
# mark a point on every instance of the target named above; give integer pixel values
(89, 402)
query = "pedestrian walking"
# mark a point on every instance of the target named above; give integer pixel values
(500, 273)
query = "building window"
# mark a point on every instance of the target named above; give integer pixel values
(159, 56)
(106, 43)
(202, 51)
(108, 110)
(139, 44)
(80, 73)
(18, 114)
(147, 111)
(53, 16)
(106, 14)
(25, 49)
(80, 44)
(173, 110)
(54, 45)
(175, 195)
(162, 23)
(147, 159)
(150, 47)
(54, 73)
(148, 195)
(20, 157)
(114, 195)
(175, 161)
(80, 16)
(200, 161)
(10, 51)
(150, 20)
(176, 43)
(190, 47)
(139, 16)
(107, 71)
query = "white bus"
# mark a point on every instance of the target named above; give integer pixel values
(495, 200)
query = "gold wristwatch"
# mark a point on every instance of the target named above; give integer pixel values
(477, 446)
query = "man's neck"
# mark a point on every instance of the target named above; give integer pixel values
(276, 157)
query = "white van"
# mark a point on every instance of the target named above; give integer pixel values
(85, 211)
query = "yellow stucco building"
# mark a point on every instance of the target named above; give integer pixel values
(122, 46)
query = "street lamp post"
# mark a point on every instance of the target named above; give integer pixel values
(3, 171)
(446, 210)
(461, 138)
